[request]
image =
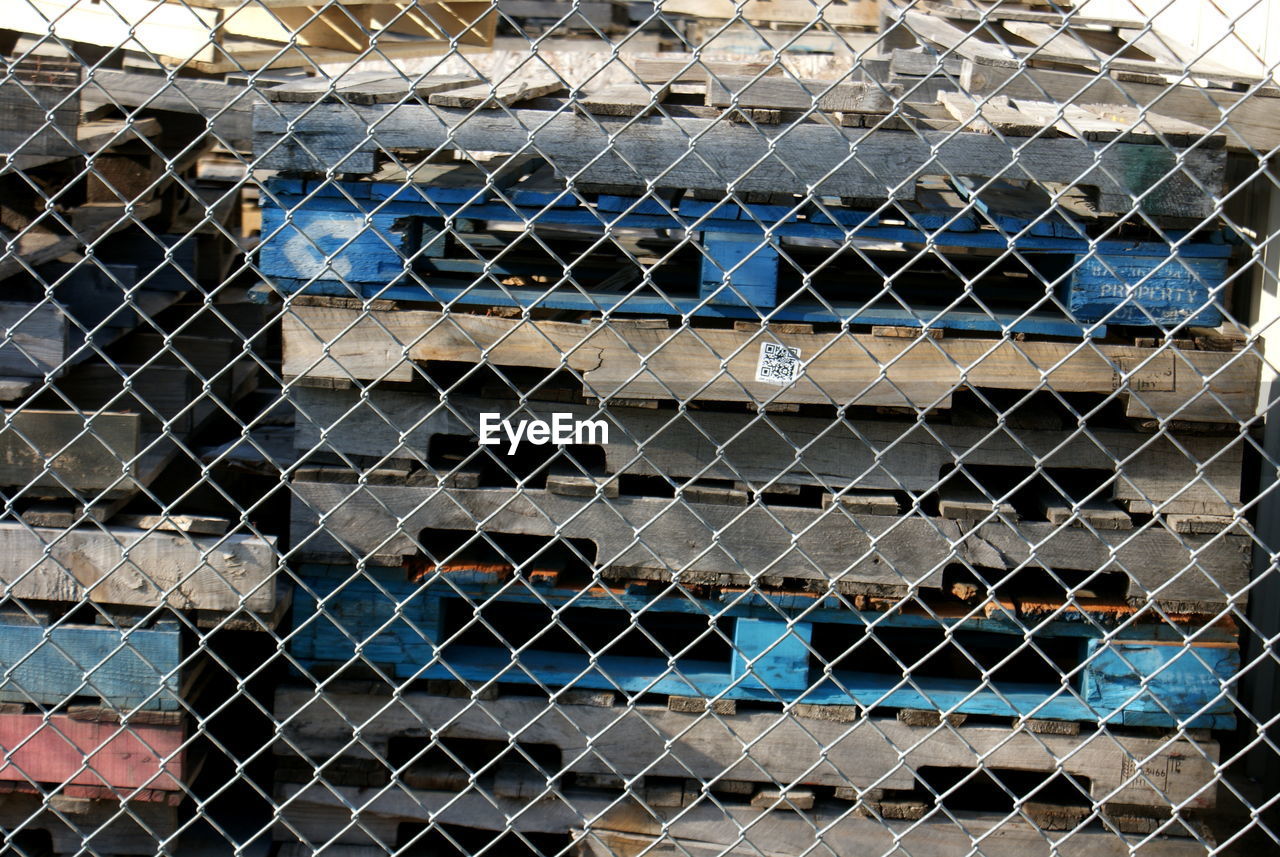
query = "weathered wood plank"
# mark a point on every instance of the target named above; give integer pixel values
(857, 13)
(35, 339)
(186, 573)
(778, 159)
(623, 99)
(515, 89)
(146, 756)
(323, 814)
(780, 543)
(90, 455)
(341, 344)
(74, 822)
(787, 93)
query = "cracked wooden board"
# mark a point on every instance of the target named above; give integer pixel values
(339, 344)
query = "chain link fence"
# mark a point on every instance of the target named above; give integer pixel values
(616, 428)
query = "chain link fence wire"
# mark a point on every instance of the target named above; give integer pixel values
(606, 428)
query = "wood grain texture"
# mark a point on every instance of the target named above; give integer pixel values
(323, 814)
(186, 573)
(787, 93)
(627, 362)
(74, 822)
(135, 757)
(704, 542)
(1252, 121)
(887, 454)
(784, 159)
(49, 666)
(35, 339)
(655, 741)
(89, 455)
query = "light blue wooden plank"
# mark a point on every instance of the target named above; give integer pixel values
(1177, 678)
(769, 654)
(361, 253)
(90, 661)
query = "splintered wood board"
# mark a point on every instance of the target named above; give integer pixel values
(646, 363)
(88, 455)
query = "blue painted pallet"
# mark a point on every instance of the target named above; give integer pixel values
(1145, 677)
(388, 240)
(55, 665)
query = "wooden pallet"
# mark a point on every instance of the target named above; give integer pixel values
(771, 544)
(1148, 676)
(629, 150)
(328, 342)
(390, 240)
(215, 36)
(370, 817)
(385, 426)
(590, 737)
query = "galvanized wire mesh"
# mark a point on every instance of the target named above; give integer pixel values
(610, 428)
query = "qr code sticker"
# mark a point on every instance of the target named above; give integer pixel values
(778, 364)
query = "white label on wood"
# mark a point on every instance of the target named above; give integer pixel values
(778, 364)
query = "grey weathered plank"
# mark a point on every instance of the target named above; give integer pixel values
(864, 553)
(781, 159)
(671, 69)
(1096, 513)
(787, 93)
(654, 740)
(341, 343)
(88, 563)
(229, 108)
(65, 819)
(623, 99)
(322, 813)
(883, 454)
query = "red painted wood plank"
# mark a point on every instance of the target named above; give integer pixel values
(124, 758)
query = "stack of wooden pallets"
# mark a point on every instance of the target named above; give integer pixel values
(880, 522)
(116, 364)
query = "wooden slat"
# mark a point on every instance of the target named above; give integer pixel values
(858, 13)
(370, 87)
(786, 93)
(124, 759)
(322, 814)
(383, 521)
(670, 68)
(653, 740)
(87, 456)
(847, 368)
(515, 89)
(873, 453)
(774, 159)
(623, 99)
(996, 115)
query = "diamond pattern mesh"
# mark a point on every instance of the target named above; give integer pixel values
(616, 428)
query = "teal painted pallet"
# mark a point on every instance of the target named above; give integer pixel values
(764, 647)
(389, 240)
(54, 666)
